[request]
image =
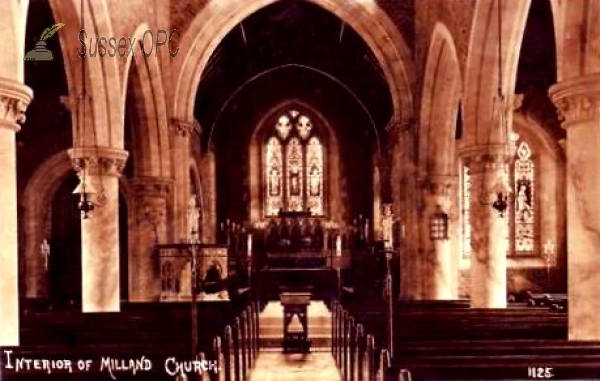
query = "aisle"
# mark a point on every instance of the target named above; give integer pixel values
(277, 366)
(273, 365)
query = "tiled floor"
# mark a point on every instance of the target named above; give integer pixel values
(277, 366)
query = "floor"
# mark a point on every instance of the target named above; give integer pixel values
(273, 365)
(277, 366)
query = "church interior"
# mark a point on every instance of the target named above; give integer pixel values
(249, 190)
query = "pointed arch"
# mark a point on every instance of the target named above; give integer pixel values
(147, 89)
(218, 17)
(442, 88)
(37, 196)
(481, 104)
(102, 74)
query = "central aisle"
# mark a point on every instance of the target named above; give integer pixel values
(273, 365)
(277, 366)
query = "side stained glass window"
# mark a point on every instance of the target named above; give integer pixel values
(524, 212)
(466, 208)
(293, 167)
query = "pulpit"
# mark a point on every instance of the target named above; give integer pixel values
(295, 321)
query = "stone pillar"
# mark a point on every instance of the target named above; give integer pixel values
(151, 197)
(437, 261)
(181, 173)
(14, 99)
(101, 168)
(208, 174)
(578, 101)
(489, 238)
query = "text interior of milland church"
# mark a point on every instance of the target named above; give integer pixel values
(287, 190)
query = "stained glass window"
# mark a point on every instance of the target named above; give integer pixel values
(466, 207)
(294, 166)
(524, 212)
(273, 168)
(314, 165)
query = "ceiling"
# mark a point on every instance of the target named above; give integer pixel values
(293, 50)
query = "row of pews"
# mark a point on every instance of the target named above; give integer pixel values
(451, 341)
(355, 353)
(145, 341)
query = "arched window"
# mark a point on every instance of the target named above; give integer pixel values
(522, 222)
(293, 166)
(524, 207)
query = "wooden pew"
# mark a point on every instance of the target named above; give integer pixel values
(231, 362)
(220, 357)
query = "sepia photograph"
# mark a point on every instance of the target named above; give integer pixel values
(299, 190)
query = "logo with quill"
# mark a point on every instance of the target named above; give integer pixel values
(41, 52)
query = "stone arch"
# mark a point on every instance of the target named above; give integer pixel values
(218, 17)
(13, 18)
(442, 87)
(38, 194)
(481, 104)
(577, 27)
(550, 176)
(102, 74)
(335, 206)
(151, 132)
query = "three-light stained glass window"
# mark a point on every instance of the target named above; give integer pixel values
(293, 166)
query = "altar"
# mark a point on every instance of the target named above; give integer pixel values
(294, 240)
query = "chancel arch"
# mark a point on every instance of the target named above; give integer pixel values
(377, 30)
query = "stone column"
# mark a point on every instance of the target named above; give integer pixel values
(14, 99)
(101, 168)
(489, 238)
(578, 101)
(405, 198)
(437, 261)
(208, 174)
(151, 196)
(181, 173)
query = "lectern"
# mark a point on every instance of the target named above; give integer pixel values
(295, 337)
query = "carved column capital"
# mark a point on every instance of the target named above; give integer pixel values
(437, 190)
(577, 99)
(101, 161)
(152, 187)
(185, 128)
(14, 99)
(486, 159)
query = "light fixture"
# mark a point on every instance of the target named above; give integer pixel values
(86, 193)
(502, 191)
(438, 225)
(89, 198)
